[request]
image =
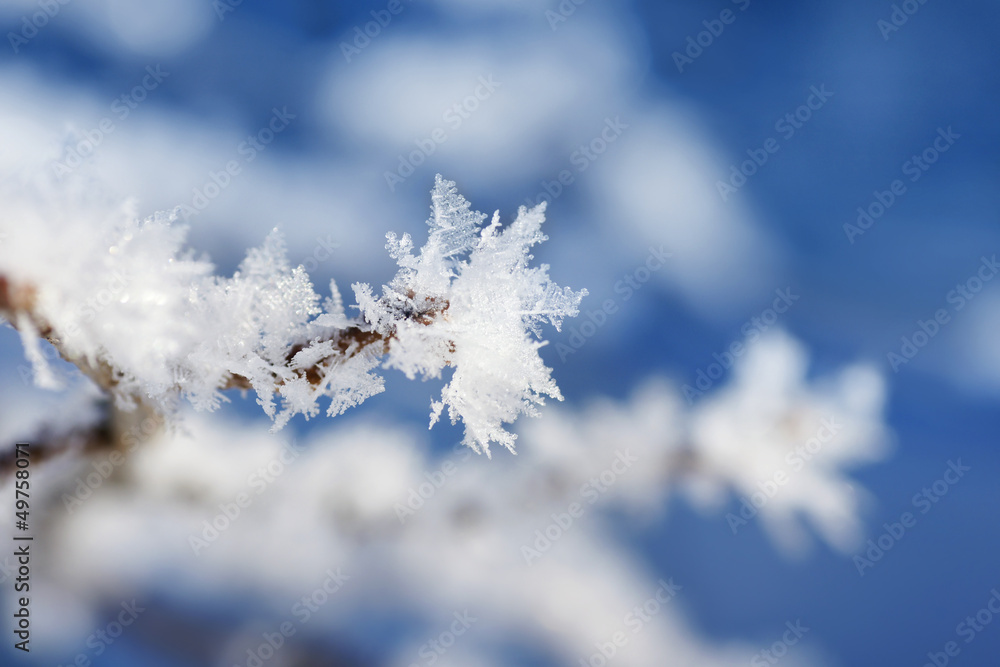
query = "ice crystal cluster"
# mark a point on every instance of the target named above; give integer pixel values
(128, 303)
(454, 532)
(778, 441)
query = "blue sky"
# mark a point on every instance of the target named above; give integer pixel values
(893, 94)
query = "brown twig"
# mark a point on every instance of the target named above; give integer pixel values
(20, 300)
(348, 342)
(351, 341)
(49, 445)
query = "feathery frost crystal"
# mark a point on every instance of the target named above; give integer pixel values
(149, 321)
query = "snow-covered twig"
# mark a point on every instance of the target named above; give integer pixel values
(151, 325)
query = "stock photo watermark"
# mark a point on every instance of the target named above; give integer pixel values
(957, 298)
(453, 117)
(590, 491)
(433, 649)
(696, 44)
(797, 458)
(363, 35)
(101, 640)
(629, 284)
(223, 7)
(752, 329)
(634, 621)
(31, 24)
(924, 501)
(562, 13)
(247, 150)
(229, 512)
(121, 107)
(417, 496)
(914, 168)
(302, 611)
(580, 159)
(105, 467)
(779, 649)
(321, 252)
(968, 629)
(786, 126)
(898, 17)
(21, 546)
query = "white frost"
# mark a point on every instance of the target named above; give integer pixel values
(125, 294)
(492, 302)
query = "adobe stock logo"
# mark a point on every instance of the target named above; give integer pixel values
(779, 649)
(248, 150)
(270, 643)
(581, 158)
(877, 547)
(592, 490)
(968, 630)
(635, 620)
(435, 480)
(30, 25)
(434, 649)
(752, 330)
(454, 116)
(372, 29)
(899, 17)
(565, 9)
(786, 125)
(627, 287)
(797, 458)
(122, 107)
(913, 169)
(714, 28)
(926, 330)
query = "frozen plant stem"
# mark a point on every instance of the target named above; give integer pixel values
(117, 424)
(468, 302)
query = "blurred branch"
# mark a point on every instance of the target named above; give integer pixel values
(49, 444)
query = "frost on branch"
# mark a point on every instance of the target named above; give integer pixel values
(781, 442)
(489, 300)
(151, 323)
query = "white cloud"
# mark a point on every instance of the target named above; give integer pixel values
(161, 157)
(659, 183)
(973, 348)
(552, 88)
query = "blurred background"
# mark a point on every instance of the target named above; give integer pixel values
(844, 153)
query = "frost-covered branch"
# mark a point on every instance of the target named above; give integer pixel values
(778, 441)
(368, 504)
(151, 324)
